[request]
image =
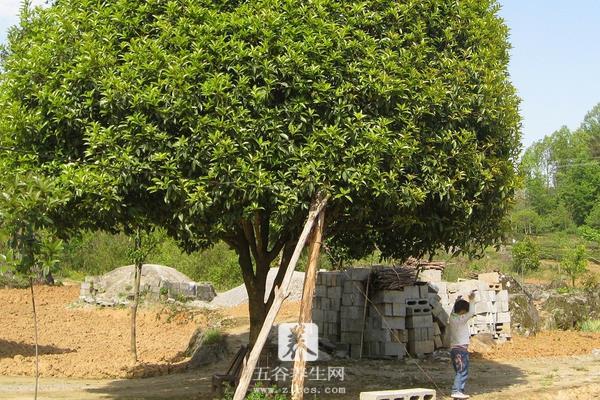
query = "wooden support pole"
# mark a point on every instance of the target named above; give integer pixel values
(362, 332)
(308, 292)
(281, 293)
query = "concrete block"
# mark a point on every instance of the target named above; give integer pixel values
(321, 291)
(483, 307)
(433, 298)
(495, 286)
(439, 312)
(358, 274)
(398, 335)
(430, 275)
(381, 310)
(419, 321)
(421, 347)
(394, 349)
(377, 335)
(437, 342)
(439, 287)
(317, 315)
(489, 277)
(423, 291)
(492, 295)
(353, 299)
(502, 296)
(334, 292)
(398, 310)
(420, 334)
(351, 312)
(484, 319)
(417, 310)
(503, 317)
(411, 292)
(350, 325)
(417, 303)
(403, 394)
(389, 296)
(394, 323)
(503, 327)
(501, 306)
(350, 337)
(335, 304)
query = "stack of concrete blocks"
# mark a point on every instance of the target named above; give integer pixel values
(400, 321)
(490, 306)
(352, 310)
(327, 303)
(413, 319)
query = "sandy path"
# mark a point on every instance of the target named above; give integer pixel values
(562, 378)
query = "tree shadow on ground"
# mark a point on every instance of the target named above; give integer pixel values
(9, 349)
(174, 379)
(486, 377)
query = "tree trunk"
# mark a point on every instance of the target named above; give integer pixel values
(134, 307)
(258, 312)
(281, 294)
(35, 333)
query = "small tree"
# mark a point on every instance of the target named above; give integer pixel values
(526, 256)
(143, 244)
(574, 263)
(26, 202)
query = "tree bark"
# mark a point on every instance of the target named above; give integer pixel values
(134, 308)
(35, 333)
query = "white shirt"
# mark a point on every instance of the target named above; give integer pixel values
(459, 329)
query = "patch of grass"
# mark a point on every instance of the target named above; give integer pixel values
(592, 325)
(212, 336)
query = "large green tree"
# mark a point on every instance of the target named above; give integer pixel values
(221, 120)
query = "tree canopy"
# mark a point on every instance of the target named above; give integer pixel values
(221, 120)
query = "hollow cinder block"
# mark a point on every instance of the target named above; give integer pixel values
(402, 394)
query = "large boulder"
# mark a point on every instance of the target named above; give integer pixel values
(568, 310)
(116, 286)
(525, 319)
(206, 347)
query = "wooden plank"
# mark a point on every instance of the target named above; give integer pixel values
(281, 293)
(308, 292)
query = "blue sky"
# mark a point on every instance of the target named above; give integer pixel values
(555, 61)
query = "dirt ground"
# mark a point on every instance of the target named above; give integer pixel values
(86, 341)
(92, 343)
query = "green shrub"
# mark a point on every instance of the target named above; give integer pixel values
(526, 256)
(574, 264)
(212, 336)
(592, 325)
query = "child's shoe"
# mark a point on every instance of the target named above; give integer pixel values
(459, 395)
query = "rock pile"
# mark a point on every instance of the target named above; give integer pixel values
(116, 287)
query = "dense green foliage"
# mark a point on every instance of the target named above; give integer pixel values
(222, 120)
(562, 180)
